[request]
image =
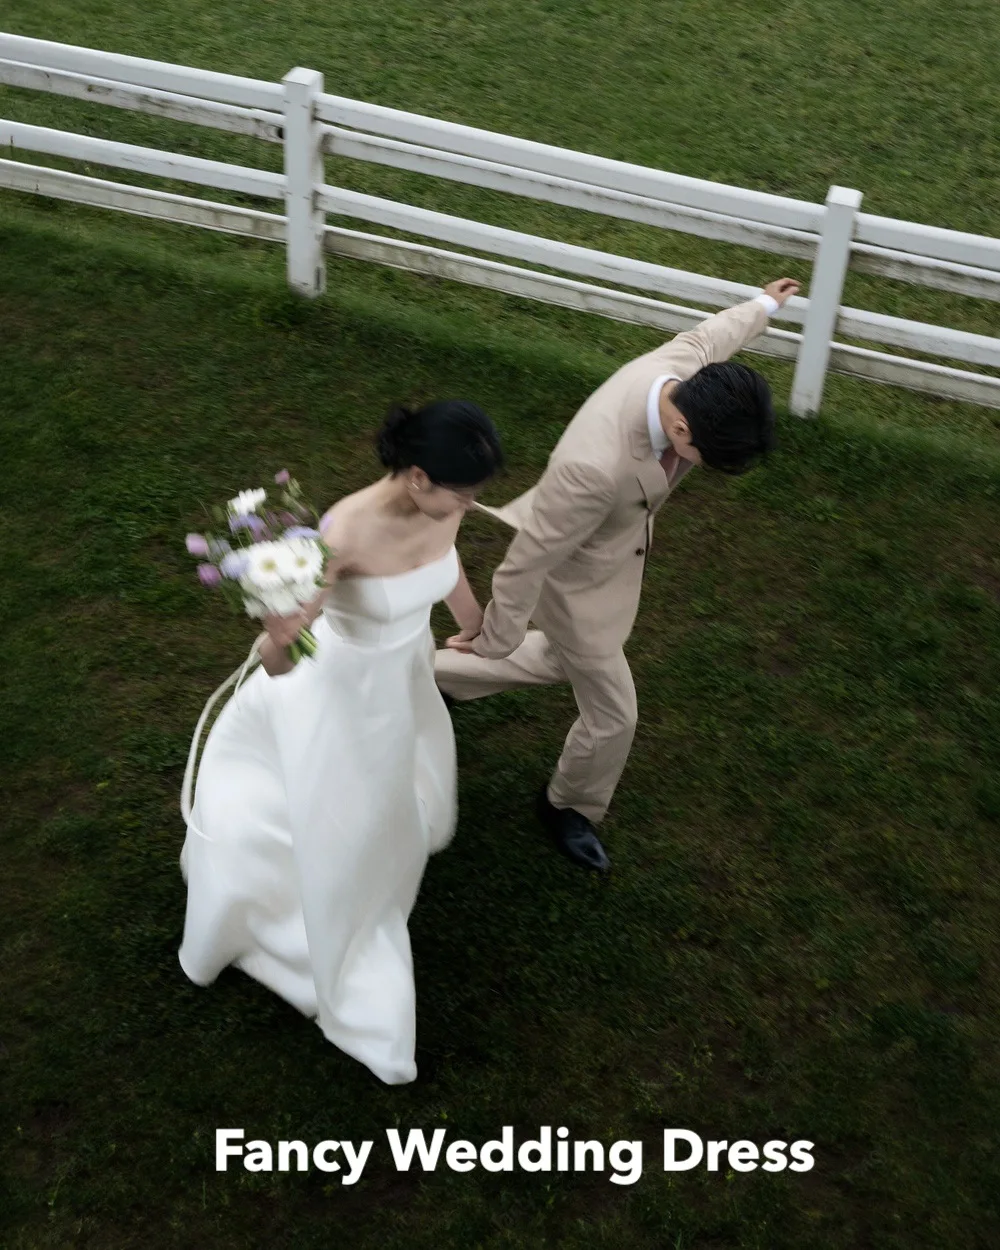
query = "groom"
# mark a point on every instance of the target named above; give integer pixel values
(576, 563)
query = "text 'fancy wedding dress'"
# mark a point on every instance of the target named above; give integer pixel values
(320, 795)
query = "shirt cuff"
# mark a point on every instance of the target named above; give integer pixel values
(769, 302)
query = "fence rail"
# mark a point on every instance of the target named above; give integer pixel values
(309, 124)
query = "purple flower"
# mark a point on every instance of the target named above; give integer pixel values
(209, 575)
(233, 564)
(197, 545)
(252, 523)
(283, 477)
(300, 531)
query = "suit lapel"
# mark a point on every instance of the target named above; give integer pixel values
(648, 471)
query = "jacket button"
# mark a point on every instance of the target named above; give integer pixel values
(639, 551)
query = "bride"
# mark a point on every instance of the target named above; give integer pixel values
(325, 785)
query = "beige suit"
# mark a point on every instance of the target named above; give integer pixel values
(575, 565)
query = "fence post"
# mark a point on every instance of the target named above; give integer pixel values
(825, 288)
(304, 174)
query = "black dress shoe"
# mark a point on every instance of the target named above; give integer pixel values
(573, 834)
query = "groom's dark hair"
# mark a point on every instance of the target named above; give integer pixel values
(452, 440)
(730, 414)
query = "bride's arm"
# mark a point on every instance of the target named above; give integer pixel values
(464, 606)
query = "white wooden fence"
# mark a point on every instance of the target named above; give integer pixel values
(309, 123)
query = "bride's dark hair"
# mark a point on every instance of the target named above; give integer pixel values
(452, 440)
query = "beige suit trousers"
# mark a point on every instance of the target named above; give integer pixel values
(598, 744)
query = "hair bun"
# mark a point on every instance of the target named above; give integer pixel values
(388, 440)
(451, 440)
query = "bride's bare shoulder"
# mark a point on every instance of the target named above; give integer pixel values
(342, 514)
(342, 527)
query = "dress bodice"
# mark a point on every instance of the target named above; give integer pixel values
(375, 611)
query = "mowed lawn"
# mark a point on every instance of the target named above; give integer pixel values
(785, 98)
(799, 939)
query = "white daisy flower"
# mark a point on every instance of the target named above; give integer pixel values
(269, 567)
(280, 602)
(306, 556)
(247, 501)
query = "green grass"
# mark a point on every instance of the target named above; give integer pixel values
(800, 938)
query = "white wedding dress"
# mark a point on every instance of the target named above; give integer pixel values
(320, 795)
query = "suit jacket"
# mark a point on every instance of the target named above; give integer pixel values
(575, 566)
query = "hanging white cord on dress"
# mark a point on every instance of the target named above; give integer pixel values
(187, 789)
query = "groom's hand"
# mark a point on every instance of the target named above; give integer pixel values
(782, 289)
(463, 641)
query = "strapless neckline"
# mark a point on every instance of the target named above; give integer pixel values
(389, 577)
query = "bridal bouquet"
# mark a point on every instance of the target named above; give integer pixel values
(271, 558)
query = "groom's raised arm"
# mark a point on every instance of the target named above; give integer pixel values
(569, 503)
(720, 336)
(716, 338)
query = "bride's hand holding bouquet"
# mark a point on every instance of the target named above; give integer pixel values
(271, 562)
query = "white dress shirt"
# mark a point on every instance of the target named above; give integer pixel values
(657, 434)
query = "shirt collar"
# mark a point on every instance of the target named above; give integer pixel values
(657, 435)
